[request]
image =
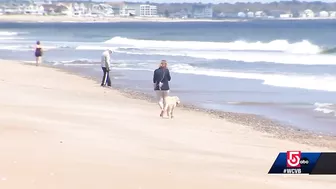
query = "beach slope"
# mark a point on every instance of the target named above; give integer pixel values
(59, 130)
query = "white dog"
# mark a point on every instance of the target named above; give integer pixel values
(171, 102)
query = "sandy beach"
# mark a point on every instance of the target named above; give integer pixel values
(59, 130)
(37, 18)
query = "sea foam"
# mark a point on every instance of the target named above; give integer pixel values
(311, 82)
(277, 51)
(302, 47)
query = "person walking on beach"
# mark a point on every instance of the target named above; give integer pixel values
(161, 80)
(105, 64)
(38, 53)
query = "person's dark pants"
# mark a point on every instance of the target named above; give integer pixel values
(106, 77)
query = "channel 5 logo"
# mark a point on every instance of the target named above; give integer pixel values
(294, 159)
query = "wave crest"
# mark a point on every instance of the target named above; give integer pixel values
(311, 82)
(7, 33)
(327, 108)
(302, 47)
(277, 51)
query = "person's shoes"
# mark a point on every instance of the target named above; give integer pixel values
(162, 112)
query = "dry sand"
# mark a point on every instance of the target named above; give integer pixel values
(37, 18)
(61, 131)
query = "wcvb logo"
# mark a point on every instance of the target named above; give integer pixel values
(293, 158)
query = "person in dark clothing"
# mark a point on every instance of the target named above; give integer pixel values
(161, 78)
(38, 53)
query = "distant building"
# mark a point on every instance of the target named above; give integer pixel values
(148, 10)
(128, 10)
(332, 14)
(241, 15)
(202, 11)
(79, 9)
(259, 14)
(286, 15)
(142, 10)
(119, 8)
(323, 14)
(250, 14)
(33, 9)
(101, 9)
(307, 14)
(11, 10)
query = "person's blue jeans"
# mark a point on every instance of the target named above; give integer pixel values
(106, 77)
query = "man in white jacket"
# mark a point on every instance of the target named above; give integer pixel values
(105, 64)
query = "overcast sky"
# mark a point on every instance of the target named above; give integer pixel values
(212, 1)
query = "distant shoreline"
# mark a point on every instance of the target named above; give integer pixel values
(302, 18)
(69, 19)
(39, 19)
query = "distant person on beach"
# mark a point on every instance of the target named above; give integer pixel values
(105, 64)
(161, 80)
(38, 53)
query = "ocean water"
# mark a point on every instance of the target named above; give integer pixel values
(278, 69)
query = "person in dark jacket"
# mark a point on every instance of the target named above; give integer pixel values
(161, 78)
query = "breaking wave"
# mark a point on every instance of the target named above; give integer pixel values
(302, 47)
(310, 82)
(327, 108)
(19, 47)
(8, 33)
(277, 51)
(78, 62)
